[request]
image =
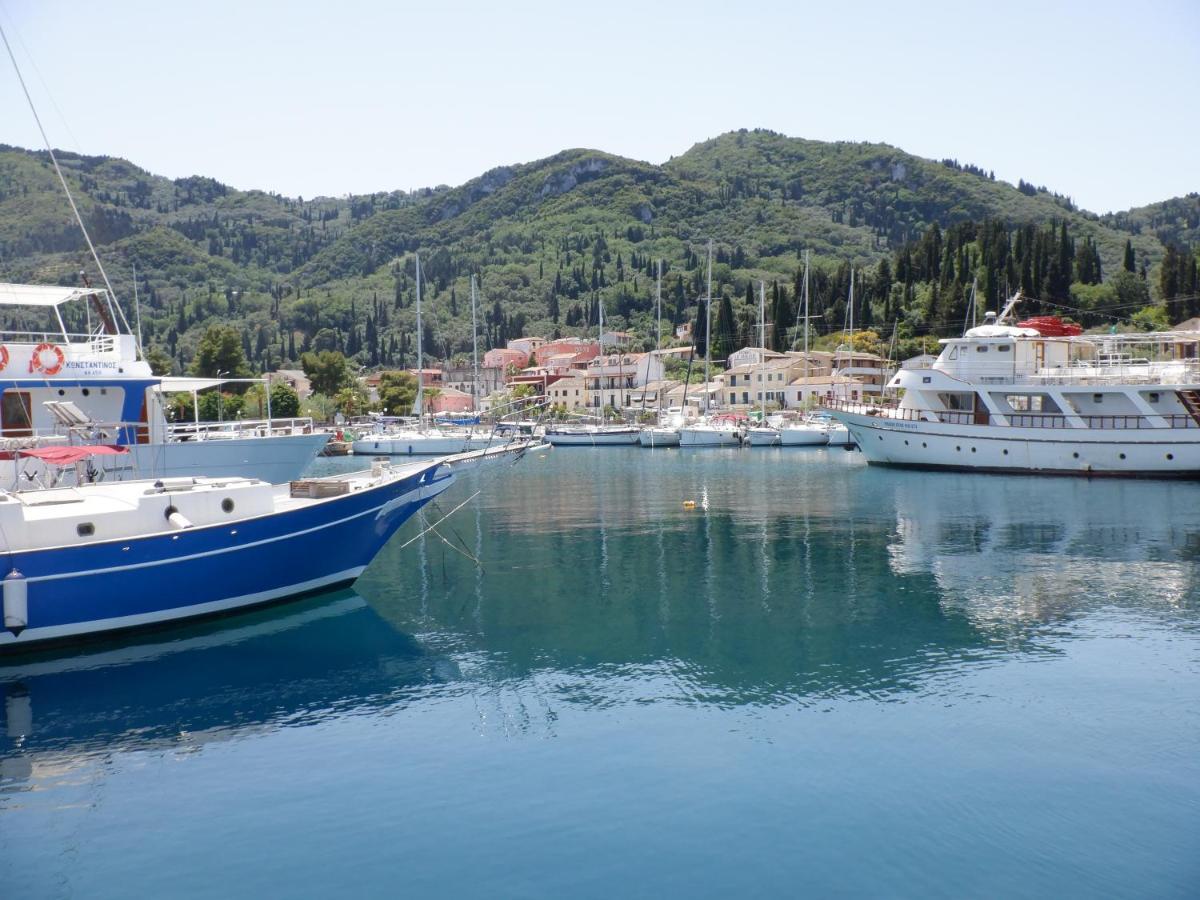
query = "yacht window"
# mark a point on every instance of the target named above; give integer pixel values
(953, 353)
(85, 529)
(1154, 398)
(1002, 348)
(925, 379)
(1097, 398)
(981, 349)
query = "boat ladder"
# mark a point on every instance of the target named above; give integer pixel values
(1191, 402)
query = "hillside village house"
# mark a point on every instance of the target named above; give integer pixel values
(611, 378)
(653, 395)
(570, 392)
(462, 378)
(449, 400)
(503, 357)
(577, 349)
(527, 345)
(616, 338)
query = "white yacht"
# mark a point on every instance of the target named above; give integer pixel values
(1040, 397)
(592, 435)
(712, 431)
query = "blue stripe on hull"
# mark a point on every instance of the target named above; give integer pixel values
(121, 584)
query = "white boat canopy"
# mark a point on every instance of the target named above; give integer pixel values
(43, 295)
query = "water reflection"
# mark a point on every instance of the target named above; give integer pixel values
(797, 577)
(181, 690)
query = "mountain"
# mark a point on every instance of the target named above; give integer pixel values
(549, 238)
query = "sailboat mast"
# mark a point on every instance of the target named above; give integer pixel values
(762, 364)
(708, 326)
(805, 320)
(658, 302)
(418, 404)
(474, 350)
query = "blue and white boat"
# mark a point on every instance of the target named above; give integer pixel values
(106, 556)
(71, 373)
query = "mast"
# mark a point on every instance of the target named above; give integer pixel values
(137, 310)
(850, 312)
(762, 358)
(658, 337)
(474, 351)
(418, 403)
(658, 302)
(708, 327)
(805, 323)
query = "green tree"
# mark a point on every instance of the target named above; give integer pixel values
(1128, 264)
(285, 402)
(351, 401)
(397, 392)
(160, 361)
(220, 354)
(327, 370)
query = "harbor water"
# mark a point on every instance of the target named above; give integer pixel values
(823, 679)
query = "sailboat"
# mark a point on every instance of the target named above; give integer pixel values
(664, 433)
(392, 438)
(804, 433)
(763, 434)
(709, 431)
(598, 435)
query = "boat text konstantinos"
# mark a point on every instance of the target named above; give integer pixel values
(1040, 397)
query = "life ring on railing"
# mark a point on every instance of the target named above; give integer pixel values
(37, 364)
(3, 357)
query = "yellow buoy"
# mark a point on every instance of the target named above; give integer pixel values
(689, 504)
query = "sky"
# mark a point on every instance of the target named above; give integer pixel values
(1095, 100)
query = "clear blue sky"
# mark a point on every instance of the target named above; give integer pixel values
(1097, 100)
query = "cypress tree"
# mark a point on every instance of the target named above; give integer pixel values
(1129, 265)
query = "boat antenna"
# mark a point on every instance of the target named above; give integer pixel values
(62, 179)
(806, 318)
(137, 309)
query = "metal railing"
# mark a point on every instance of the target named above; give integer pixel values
(890, 410)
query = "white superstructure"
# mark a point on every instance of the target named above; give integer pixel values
(1039, 397)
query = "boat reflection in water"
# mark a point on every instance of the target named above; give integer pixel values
(290, 666)
(1007, 557)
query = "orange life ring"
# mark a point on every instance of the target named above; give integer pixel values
(37, 364)
(3, 357)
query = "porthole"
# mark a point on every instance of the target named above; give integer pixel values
(1170, 456)
(1006, 453)
(906, 442)
(881, 437)
(1122, 455)
(85, 529)
(61, 392)
(924, 445)
(1076, 455)
(972, 449)
(227, 505)
(958, 449)
(86, 392)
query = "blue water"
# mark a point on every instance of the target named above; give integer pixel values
(826, 679)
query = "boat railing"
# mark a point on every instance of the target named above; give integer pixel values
(92, 343)
(239, 428)
(889, 409)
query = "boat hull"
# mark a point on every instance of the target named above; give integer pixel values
(803, 437)
(1149, 452)
(622, 438)
(709, 437)
(418, 444)
(763, 437)
(107, 586)
(659, 437)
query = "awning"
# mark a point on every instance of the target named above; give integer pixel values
(173, 383)
(42, 294)
(68, 456)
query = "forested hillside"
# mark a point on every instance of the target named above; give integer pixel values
(552, 239)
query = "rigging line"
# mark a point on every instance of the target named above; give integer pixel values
(45, 87)
(439, 521)
(58, 170)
